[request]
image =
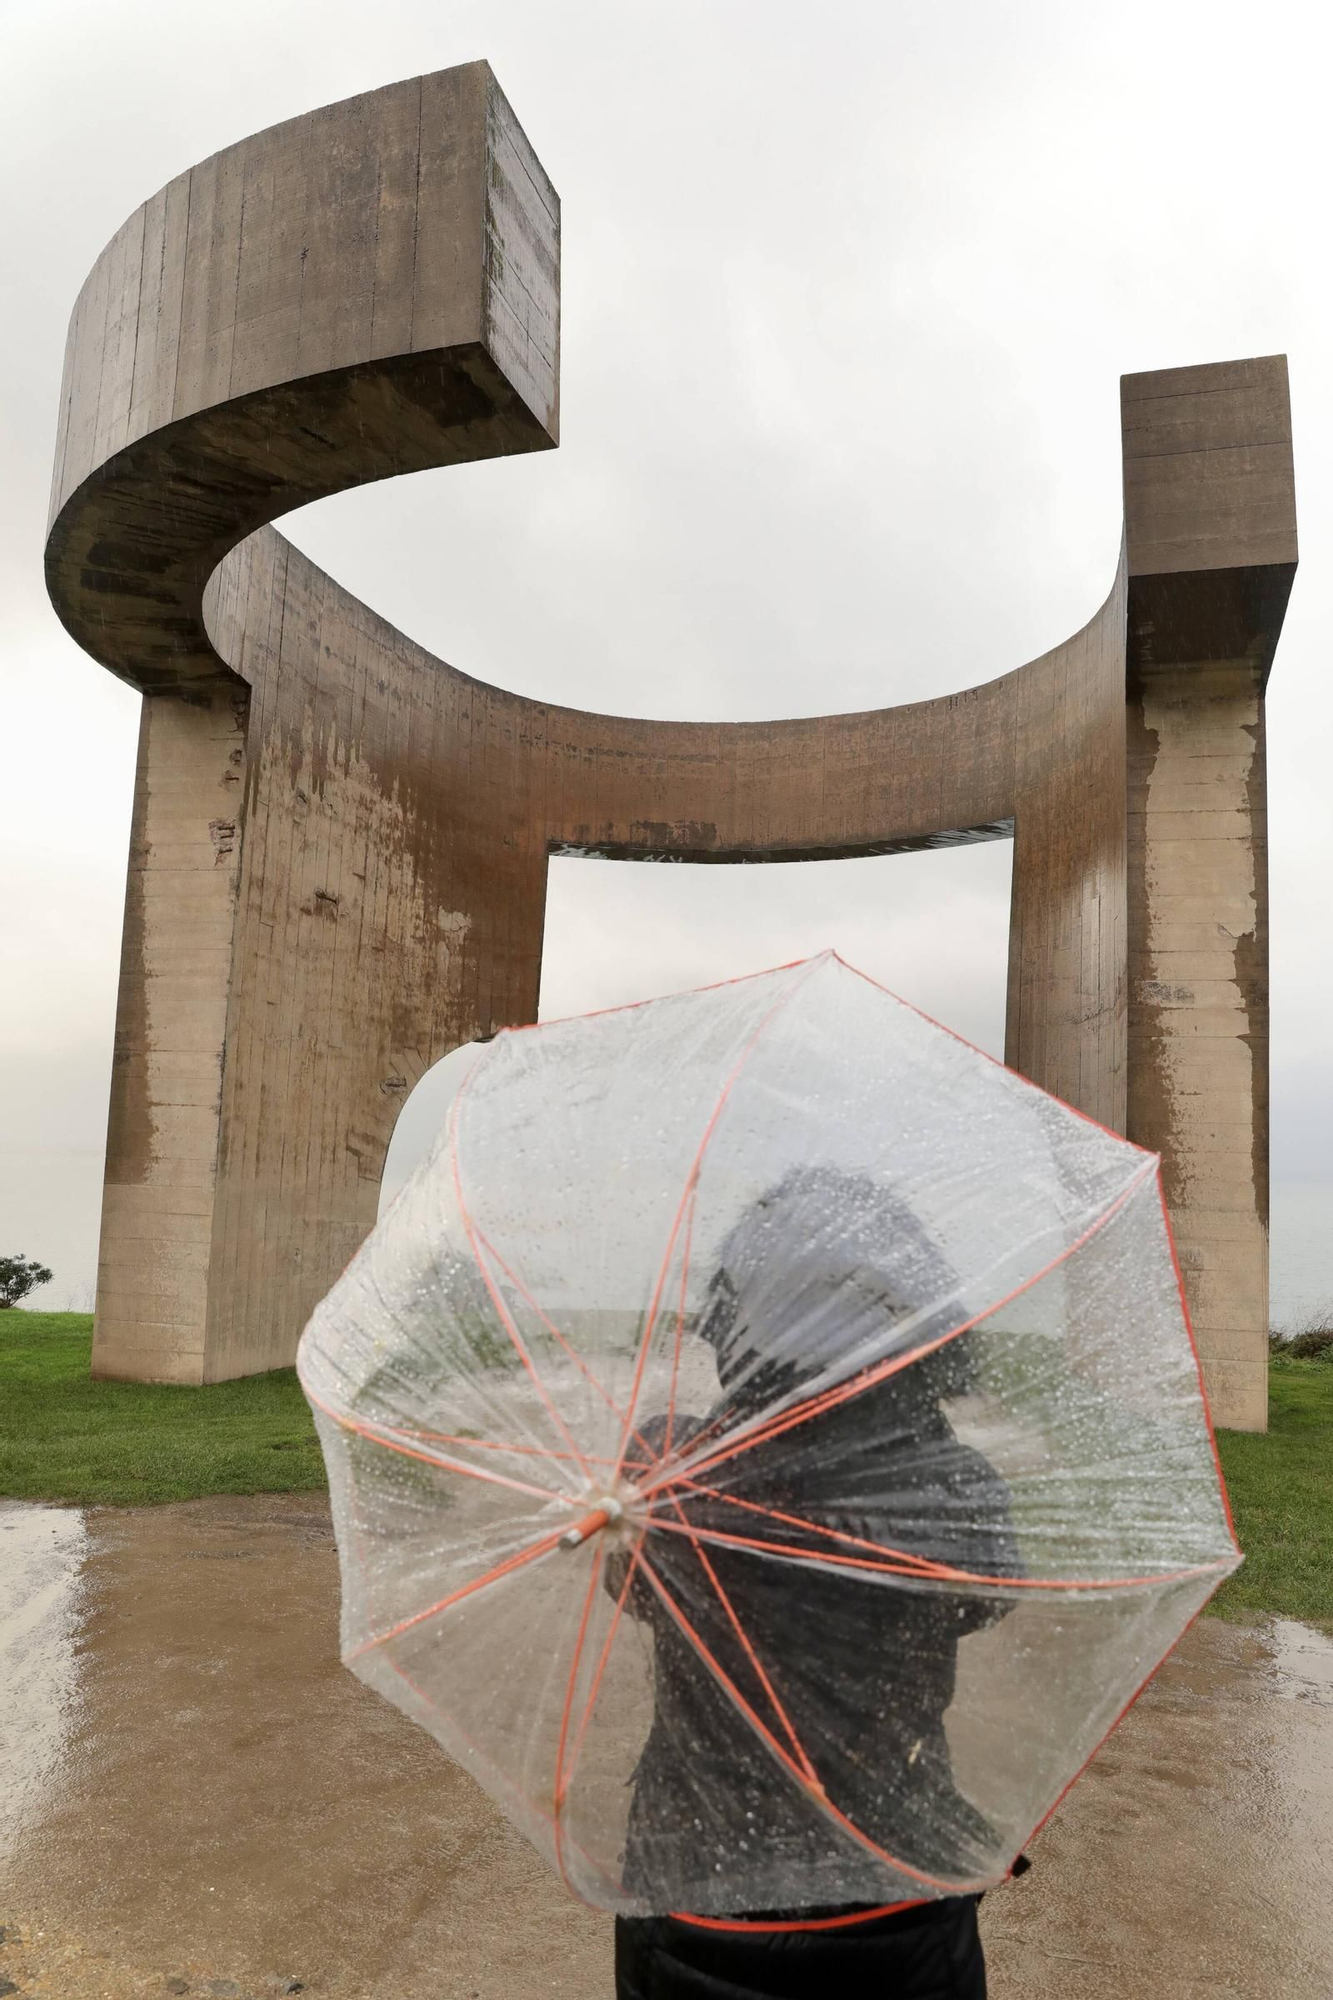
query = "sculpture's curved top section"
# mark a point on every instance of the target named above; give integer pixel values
(374, 289)
(370, 289)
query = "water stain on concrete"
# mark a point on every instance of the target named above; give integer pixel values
(205, 1803)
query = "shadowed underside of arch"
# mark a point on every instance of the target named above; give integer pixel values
(339, 847)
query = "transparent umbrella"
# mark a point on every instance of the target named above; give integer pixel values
(767, 1447)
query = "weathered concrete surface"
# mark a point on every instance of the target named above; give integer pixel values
(369, 290)
(171, 1032)
(202, 1801)
(374, 289)
(1199, 1015)
(1210, 521)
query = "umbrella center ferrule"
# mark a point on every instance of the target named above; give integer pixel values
(606, 1511)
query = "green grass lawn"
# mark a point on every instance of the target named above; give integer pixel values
(1281, 1487)
(66, 1437)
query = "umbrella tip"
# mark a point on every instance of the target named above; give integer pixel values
(606, 1514)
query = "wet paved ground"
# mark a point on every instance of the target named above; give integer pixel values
(199, 1800)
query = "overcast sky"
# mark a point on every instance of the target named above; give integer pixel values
(847, 291)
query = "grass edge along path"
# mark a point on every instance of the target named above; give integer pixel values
(1281, 1487)
(66, 1438)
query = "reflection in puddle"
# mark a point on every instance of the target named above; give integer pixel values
(1303, 1659)
(41, 1557)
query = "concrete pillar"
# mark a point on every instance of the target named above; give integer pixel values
(1211, 536)
(1199, 1017)
(171, 1019)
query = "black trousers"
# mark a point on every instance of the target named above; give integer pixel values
(932, 1952)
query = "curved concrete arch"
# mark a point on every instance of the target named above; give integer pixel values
(339, 847)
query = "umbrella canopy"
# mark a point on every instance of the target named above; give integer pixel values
(767, 1447)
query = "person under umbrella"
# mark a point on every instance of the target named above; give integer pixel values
(882, 1467)
(795, 1208)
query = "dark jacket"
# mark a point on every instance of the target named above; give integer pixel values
(863, 1665)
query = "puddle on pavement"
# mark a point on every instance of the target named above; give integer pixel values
(212, 1799)
(41, 1556)
(1195, 1857)
(197, 1792)
(1302, 1659)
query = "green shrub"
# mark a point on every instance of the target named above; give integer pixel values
(1310, 1339)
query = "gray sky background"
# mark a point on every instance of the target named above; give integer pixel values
(847, 292)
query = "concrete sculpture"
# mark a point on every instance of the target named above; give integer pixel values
(339, 848)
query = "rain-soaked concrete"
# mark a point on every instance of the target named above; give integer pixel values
(199, 1800)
